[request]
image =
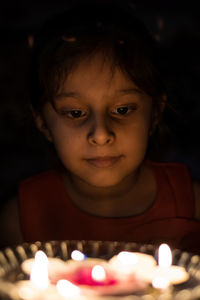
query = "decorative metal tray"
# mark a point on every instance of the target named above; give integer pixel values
(11, 259)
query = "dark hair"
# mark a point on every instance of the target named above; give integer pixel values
(83, 31)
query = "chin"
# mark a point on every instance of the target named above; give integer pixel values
(103, 182)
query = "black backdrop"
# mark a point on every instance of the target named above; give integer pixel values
(175, 24)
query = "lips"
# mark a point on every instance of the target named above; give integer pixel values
(104, 162)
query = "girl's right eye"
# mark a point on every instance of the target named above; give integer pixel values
(74, 114)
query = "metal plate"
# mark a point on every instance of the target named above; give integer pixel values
(11, 259)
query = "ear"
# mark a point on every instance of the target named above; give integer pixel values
(158, 113)
(41, 125)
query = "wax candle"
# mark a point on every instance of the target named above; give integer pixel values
(39, 287)
(99, 278)
(87, 275)
(140, 264)
(39, 271)
(54, 265)
(165, 273)
(68, 289)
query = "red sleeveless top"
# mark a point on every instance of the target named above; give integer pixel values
(47, 213)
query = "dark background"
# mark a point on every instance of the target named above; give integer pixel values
(177, 27)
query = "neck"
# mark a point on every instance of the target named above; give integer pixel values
(120, 200)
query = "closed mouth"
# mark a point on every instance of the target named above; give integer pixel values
(104, 162)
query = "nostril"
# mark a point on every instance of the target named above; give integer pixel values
(100, 140)
(99, 133)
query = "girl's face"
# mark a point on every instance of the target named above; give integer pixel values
(100, 125)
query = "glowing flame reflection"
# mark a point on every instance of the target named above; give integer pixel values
(98, 273)
(39, 271)
(67, 289)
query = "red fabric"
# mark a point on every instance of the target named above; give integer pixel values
(46, 212)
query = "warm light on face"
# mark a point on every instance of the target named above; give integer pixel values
(67, 289)
(98, 273)
(164, 256)
(39, 271)
(98, 95)
(77, 255)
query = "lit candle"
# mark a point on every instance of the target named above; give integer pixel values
(96, 277)
(39, 271)
(78, 255)
(39, 287)
(91, 273)
(98, 273)
(67, 289)
(54, 265)
(140, 264)
(165, 273)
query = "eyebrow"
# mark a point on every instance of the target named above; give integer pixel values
(67, 95)
(70, 94)
(130, 91)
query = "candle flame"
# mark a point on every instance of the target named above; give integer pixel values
(98, 273)
(127, 258)
(77, 255)
(39, 271)
(67, 289)
(164, 256)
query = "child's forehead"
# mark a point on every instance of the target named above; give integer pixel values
(97, 72)
(98, 66)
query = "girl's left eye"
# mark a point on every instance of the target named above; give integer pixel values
(74, 114)
(123, 110)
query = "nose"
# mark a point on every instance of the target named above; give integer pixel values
(100, 134)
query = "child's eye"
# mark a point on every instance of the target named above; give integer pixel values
(123, 110)
(74, 114)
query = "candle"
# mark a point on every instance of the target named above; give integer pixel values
(165, 273)
(98, 273)
(67, 289)
(84, 272)
(54, 265)
(92, 269)
(78, 255)
(39, 271)
(39, 287)
(140, 264)
(97, 277)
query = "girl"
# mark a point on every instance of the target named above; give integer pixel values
(97, 96)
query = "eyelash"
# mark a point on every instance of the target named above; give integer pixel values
(81, 114)
(70, 112)
(129, 108)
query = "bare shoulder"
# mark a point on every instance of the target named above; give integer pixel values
(10, 232)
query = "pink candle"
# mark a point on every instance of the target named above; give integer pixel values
(83, 276)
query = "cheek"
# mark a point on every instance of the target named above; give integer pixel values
(138, 130)
(66, 139)
(68, 144)
(135, 139)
